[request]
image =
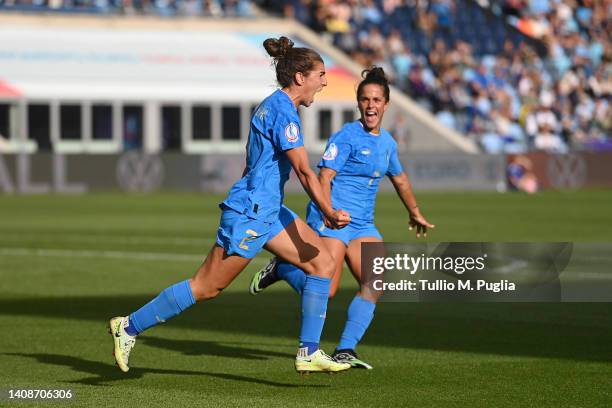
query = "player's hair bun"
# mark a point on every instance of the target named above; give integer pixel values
(377, 76)
(278, 47)
(288, 60)
(375, 73)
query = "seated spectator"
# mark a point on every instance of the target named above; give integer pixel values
(521, 176)
(417, 86)
(542, 121)
(546, 140)
(370, 12)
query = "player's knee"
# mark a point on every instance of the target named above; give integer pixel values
(202, 291)
(323, 266)
(209, 293)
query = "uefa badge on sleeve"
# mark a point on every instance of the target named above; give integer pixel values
(292, 132)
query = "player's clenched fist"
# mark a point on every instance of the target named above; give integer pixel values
(338, 219)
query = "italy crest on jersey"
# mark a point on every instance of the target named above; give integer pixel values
(292, 132)
(331, 152)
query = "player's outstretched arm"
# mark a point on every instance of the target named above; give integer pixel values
(402, 185)
(299, 161)
(326, 175)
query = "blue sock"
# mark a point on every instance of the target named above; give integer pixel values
(169, 303)
(314, 307)
(360, 315)
(294, 276)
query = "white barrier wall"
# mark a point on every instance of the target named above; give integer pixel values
(137, 172)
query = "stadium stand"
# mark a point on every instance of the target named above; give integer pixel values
(513, 75)
(165, 8)
(143, 77)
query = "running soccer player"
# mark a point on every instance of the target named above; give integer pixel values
(253, 216)
(355, 160)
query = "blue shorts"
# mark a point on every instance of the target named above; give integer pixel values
(355, 229)
(241, 235)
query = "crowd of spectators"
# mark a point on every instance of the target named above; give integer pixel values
(166, 8)
(482, 72)
(513, 75)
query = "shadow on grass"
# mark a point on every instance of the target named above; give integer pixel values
(103, 374)
(573, 331)
(211, 348)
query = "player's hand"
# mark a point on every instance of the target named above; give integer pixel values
(418, 222)
(337, 220)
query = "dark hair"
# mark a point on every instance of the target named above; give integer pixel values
(289, 60)
(374, 75)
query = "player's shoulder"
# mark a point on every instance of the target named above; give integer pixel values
(276, 112)
(280, 105)
(388, 138)
(348, 133)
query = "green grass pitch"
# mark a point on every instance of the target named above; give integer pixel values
(67, 264)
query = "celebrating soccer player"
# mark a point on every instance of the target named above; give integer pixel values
(253, 216)
(355, 160)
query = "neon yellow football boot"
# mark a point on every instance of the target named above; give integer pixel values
(123, 341)
(317, 362)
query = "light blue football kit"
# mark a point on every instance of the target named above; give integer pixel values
(252, 214)
(360, 160)
(253, 211)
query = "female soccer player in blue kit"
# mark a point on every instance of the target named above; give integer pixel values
(355, 160)
(253, 217)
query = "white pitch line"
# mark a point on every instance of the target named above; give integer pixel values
(129, 255)
(109, 239)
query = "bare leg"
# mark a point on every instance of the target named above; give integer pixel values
(299, 245)
(353, 259)
(337, 251)
(216, 273)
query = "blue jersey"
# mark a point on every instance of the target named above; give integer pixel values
(360, 160)
(275, 128)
